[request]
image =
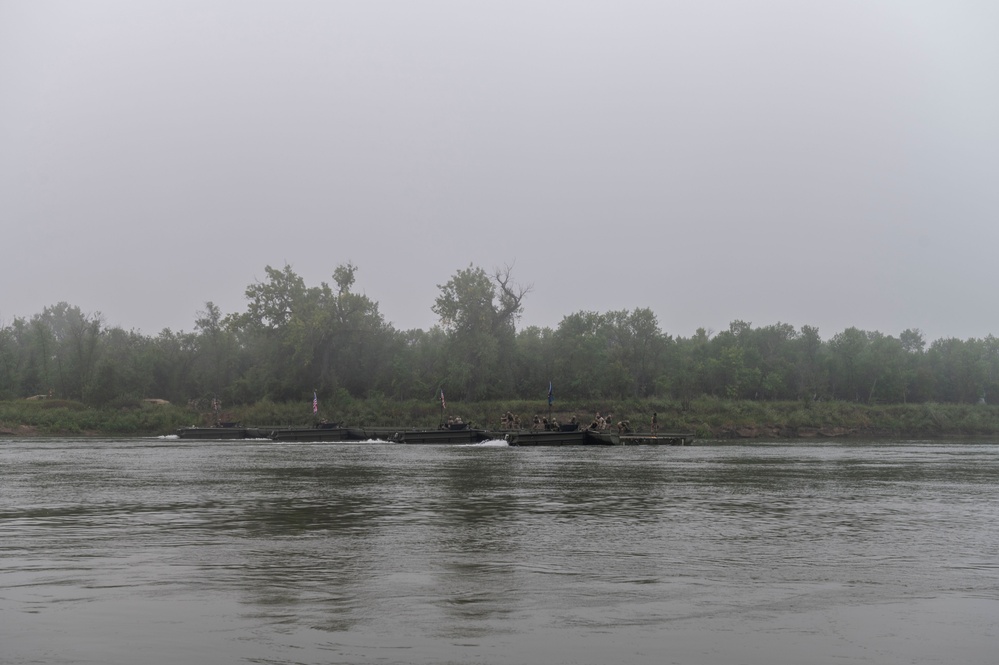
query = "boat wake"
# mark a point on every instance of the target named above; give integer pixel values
(491, 443)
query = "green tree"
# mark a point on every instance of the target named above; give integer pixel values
(733, 364)
(535, 362)
(810, 375)
(648, 353)
(479, 314)
(121, 371)
(345, 340)
(580, 362)
(9, 356)
(850, 378)
(419, 360)
(774, 349)
(217, 353)
(960, 369)
(275, 307)
(301, 338)
(66, 347)
(687, 373)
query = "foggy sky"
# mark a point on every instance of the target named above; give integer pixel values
(829, 163)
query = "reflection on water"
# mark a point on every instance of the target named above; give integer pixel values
(152, 551)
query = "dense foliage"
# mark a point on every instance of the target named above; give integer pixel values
(293, 339)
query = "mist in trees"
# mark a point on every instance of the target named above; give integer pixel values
(293, 338)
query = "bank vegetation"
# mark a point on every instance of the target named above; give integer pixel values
(709, 418)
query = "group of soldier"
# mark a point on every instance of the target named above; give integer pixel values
(606, 422)
(455, 422)
(508, 421)
(624, 426)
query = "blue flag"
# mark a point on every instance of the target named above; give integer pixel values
(551, 395)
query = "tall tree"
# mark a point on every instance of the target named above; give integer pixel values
(810, 374)
(346, 337)
(275, 307)
(216, 361)
(479, 315)
(851, 377)
(581, 349)
(535, 362)
(67, 341)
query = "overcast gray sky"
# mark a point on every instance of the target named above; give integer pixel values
(830, 163)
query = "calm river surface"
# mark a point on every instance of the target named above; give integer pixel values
(167, 551)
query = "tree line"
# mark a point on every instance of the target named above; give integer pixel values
(293, 338)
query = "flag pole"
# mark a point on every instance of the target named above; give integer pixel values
(551, 398)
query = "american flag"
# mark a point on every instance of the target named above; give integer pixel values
(443, 403)
(315, 403)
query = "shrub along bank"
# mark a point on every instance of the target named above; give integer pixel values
(707, 418)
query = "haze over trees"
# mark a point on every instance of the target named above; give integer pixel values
(293, 338)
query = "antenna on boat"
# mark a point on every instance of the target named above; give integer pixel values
(440, 425)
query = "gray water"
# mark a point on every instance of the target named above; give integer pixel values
(167, 551)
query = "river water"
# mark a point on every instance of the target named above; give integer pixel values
(168, 551)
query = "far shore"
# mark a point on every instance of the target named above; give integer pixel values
(706, 418)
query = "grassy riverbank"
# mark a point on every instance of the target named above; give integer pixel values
(707, 418)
